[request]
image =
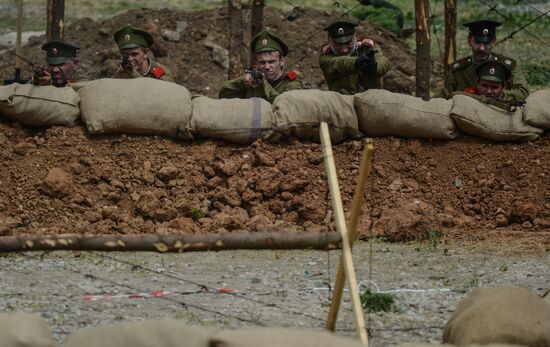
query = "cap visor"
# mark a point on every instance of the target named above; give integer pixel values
(56, 60)
(129, 46)
(267, 49)
(490, 78)
(483, 39)
(343, 39)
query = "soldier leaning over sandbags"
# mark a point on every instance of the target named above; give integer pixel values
(268, 79)
(482, 39)
(63, 65)
(351, 65)
(137, 60)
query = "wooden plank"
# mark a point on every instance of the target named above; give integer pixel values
(423, 52)
(55, 19)
(339, 217)
(364, 172)
(236, 46)
(450, 34)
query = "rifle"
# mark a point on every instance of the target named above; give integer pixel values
(369, 52)
(506, 105)
(37, 70)
(125, 63)
(256, 74)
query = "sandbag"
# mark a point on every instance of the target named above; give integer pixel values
(299, 113)
(536, 111)
(508, 315)
(278, 337)
(235, 120)
(383, 113)
(157, 333)
(39, 106)
(473, 117)
(24, 330)
(135, 106)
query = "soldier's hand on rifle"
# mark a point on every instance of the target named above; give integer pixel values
(366, 62)
(253, 78)
(41, 77)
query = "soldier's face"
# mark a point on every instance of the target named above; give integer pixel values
(137, 57)
(62, 72)
(341, 48)
(480, 50)
(271, 64)
(490, 89)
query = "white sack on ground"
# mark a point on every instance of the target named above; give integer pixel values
(135, 106)
(240, 121)
(300, 112)
(473, 117)
(24, 330)
(278, 337)
(536, 111)
(510, 315)
(157, 333)
(383, 113)
(39, 106)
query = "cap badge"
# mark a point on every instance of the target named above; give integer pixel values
(456, 65)
(127, 37)
(340, 31)
(507, 62)
(492, 71)
(485, 31)
(54, 51)
(264, 42)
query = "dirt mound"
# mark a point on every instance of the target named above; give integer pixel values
(192, 59)
(69, 181)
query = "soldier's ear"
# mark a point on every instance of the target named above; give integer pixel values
(76, 61)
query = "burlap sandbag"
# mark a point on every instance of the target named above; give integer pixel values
(157, 333)
(508, 315)
(473, 117)
(279, 337)
(135, 106)
(383, 113)
(235, 120)
(299, 113)
(39, 106)
(536, 111)
(24, 330)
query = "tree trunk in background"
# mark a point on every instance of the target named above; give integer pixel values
(423, 53)
(450, 34)
(257, 24)
(236, 46)
(55, 20)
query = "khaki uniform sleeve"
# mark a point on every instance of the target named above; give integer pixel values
(233, 89)
(382, 62)
(519, 89)
(333, 66)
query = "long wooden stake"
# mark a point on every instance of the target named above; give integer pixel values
(450, 35)
(364, 172)
(423, 53)
(330, 167)
(55, 19)
(171, 243)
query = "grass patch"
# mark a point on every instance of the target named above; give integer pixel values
(537, 74)
(377, 302)
(384, 17)
(195, 214)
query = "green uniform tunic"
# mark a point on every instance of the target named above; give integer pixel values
(236, 88)
(463, 75)
(342, 75)
(156, 70)
(75, 78)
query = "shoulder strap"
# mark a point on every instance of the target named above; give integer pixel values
(292, 75)
(510, 62)
(462, 63)
(158, 71)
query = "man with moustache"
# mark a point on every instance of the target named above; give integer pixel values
(62, 68)
(268, 79)
(463, 75)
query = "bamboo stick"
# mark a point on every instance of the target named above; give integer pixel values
(332, 177)
(172, 243)
(364, 172)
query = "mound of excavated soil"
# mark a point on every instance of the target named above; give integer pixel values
(62, 180)
(191, 59)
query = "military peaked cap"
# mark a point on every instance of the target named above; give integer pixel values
(267, 42)
(58, 51)
(341, 30)
(130, 37)
(483, 31)
(494, 70)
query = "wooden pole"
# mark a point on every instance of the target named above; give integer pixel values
(56, 20)
(171, 243)
(18, 61)
(423, 54)
(450, 34)
(364, 172)
(236, 46)
(257, 24)
(339, 217)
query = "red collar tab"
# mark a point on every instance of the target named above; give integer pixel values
(158, 72)
(292, 75)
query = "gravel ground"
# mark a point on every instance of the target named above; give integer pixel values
(274, 288)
